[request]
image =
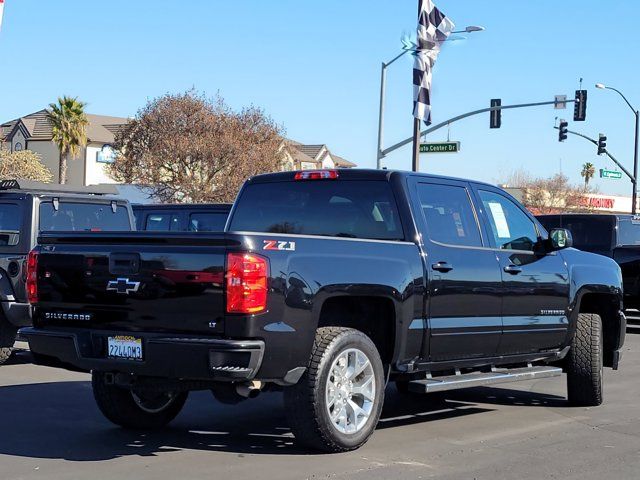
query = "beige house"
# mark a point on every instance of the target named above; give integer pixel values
(309, 157)
(33, 132)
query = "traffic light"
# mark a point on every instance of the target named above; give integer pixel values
(580, 106)
(602, 144)
(495, 119)
(562, 130)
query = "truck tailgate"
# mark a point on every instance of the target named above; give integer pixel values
(133, 281)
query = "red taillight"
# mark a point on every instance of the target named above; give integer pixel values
(32, 277)
(246, 283)
(317, 175)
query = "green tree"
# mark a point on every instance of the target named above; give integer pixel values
(23, 164)
(69, 123)
(588, 171)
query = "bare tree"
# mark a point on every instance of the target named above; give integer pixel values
(189, 148)
(549, 195)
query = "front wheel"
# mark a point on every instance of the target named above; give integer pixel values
(584, 362)
(336, 405)
(136, 409)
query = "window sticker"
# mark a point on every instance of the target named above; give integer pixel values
(502, 227)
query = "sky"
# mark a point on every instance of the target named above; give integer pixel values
(315, 68)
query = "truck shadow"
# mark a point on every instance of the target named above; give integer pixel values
(60, 421)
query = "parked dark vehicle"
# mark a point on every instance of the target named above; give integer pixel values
(27, 207)
(326, 284)
(192, 217)
(615, 236)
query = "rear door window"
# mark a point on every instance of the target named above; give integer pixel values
(351, 209)
(79, 217)
(207, 221)
(10, 217)
(10, 224)
(449, 215)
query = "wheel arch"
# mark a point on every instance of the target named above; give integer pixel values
(373, 315)
(606, 304)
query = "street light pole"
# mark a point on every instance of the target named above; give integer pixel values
(634, 180)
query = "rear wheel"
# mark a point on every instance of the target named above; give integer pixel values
(136, 409)
(337, 403)
(8, 333)
(584, 362)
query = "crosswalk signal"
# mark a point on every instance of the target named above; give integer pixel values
(495, 119)
(602, 144)
(563, 130)
(580, 106)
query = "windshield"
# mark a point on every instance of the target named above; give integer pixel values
(83, 217)
(352, 209)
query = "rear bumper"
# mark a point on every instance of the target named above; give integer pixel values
(166, 356)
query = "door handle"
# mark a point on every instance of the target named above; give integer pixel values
(512, 269)
(442, 267)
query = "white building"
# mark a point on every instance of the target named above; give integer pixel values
(33, 132)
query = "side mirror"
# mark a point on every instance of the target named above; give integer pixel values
(560, 238)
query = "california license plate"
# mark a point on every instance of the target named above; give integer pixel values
(124, 346)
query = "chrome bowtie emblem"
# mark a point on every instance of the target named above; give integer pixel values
(123, 285)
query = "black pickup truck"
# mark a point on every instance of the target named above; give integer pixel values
(615, 236)
(327, 284)
(26, 208)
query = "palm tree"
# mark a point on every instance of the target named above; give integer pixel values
(588, 171)
(69, 130)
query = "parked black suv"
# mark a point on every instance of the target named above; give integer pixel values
(190, 217)
(28, 207)
(615, 236)
(327, 283)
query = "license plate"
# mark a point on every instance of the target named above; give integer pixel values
(122, 346)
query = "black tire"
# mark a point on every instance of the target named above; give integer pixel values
(8, 334)
(118, 405)
(306, 404)
(584, 363)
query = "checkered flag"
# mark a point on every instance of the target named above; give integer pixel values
(433, 29)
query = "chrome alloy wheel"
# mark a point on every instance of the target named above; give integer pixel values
(350, 391)
(153, 403)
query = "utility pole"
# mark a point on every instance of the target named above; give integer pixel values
(415, 164)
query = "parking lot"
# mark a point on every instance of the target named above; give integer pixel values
(52, 429)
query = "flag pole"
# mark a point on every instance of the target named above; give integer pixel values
(415, 164)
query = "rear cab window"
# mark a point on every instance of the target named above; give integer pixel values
(207, 221)
(347, 208)
(628, 231)
(83, 217)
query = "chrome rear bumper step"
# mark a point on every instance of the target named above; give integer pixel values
(477, 379)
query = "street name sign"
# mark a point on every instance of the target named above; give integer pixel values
(440, 147)
(612, 174)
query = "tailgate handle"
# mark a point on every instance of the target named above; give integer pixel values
(124, 263)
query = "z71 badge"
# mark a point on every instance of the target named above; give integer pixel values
(278, 245)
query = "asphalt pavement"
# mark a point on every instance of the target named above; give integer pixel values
(51, 429)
